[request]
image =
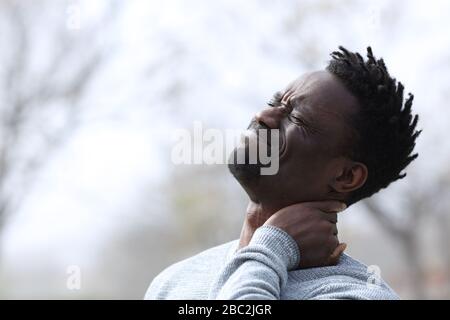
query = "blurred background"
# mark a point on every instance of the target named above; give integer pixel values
(91, 92)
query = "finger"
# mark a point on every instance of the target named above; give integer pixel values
(331, 217)
(334, 257)
(331, 206)
(339, 250)
(335, 230)
(333, 244)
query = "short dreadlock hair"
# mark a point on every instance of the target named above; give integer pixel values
(385, 128)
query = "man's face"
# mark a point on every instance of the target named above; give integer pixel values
(313, 116)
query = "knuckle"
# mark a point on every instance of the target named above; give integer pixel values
(326, 226)
(333, 241)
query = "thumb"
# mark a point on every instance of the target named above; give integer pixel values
(334, 257)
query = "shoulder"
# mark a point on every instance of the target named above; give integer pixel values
(188, 272)
(352, 279)
(344, 287)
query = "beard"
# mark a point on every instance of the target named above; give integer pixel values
(247, 174)
(246, 168)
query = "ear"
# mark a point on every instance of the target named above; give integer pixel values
(350, 176)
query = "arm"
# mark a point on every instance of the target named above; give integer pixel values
(259, 270)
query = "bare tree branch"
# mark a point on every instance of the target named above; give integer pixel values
(383, 218)
(22, 103)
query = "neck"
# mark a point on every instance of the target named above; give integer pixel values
(257, 215)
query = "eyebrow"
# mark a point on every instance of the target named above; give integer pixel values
(276, 99)
(295, 104)
(297, 100)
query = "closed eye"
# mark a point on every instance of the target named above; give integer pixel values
(297, 120)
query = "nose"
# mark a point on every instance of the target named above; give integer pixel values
(271, 117)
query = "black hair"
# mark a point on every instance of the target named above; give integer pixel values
(385, 128)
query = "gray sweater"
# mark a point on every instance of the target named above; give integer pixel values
(265, 269)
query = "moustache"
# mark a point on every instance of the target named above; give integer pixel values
(254, 125)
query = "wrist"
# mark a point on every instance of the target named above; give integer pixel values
(279, 242)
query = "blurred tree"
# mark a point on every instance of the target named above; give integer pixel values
(407, 229)
(51, 54)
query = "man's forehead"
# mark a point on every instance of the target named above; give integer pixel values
(319, 87)
(309, 83)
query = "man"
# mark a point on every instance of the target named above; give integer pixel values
(345, 133)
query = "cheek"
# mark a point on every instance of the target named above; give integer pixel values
(306, 158)
(304, 149)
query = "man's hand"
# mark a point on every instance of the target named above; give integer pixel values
(313, 226)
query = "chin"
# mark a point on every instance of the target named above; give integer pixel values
(245, 173)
